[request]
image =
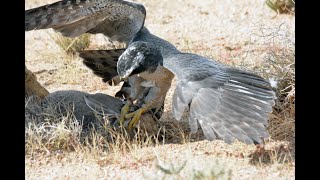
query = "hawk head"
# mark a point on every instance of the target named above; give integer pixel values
(139, 57)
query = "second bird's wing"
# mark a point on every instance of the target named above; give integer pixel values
(103, 63)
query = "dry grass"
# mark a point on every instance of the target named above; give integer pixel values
(53, 127)
(55, 135)
(50, 131)
(278, 65)
(72, 45)
(245, 34)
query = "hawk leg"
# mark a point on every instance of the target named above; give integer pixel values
(137, 114)
(136, 117)
(124, 110)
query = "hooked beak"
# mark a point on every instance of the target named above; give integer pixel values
(123, 78)
(126, 74)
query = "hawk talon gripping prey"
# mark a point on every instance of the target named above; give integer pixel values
(124, 110)
(226, 102)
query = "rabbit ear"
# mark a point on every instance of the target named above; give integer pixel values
(104, 104)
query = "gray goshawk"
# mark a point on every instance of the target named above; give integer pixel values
(228, 103)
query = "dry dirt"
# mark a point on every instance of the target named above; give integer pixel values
(221, 30)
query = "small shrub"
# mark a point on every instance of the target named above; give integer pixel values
(278, 66)
(281, 6)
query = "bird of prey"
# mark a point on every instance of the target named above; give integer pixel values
(227, 103)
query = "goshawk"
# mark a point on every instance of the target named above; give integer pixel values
(228, 103)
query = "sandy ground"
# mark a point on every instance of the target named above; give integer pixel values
(205, 157)
(221, 30)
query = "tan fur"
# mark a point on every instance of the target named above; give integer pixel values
(32, 86)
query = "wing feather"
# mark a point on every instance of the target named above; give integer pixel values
(103, 63)
(228, 103)
(117, 19)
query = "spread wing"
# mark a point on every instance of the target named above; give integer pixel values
(228, 103)
(103, 63)
(119, 20)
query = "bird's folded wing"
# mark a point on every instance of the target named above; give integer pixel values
(103, 63)
(228, 103)
(119, 20)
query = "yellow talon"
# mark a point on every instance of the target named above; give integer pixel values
(130, 115)
(136, 117)
(124, 110)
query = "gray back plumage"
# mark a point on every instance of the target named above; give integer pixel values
(164, 46)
